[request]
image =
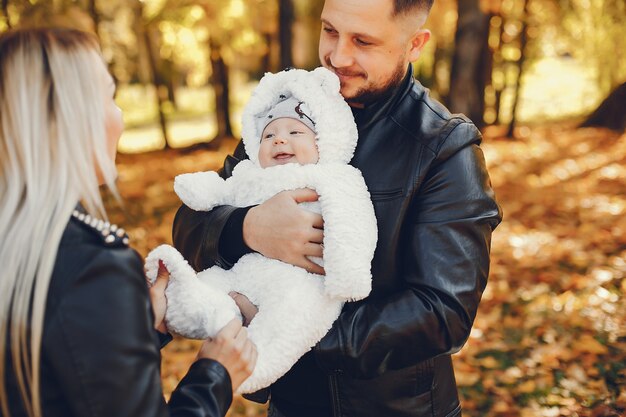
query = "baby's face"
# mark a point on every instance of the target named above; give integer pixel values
(285, 141)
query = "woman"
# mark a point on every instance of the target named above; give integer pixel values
(74, 307)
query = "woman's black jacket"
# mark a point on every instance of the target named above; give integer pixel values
(100, 353)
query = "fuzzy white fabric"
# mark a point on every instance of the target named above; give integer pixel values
(296, 308)
(319, 89)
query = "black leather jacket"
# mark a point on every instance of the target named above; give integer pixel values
(389, 355)
(100, 354)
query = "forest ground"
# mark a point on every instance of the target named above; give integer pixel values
(550, 336)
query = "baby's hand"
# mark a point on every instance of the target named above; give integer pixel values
(248, 310)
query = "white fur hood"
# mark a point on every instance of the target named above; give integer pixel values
(319, 89)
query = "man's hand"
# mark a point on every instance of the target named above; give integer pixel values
(157, 297)
(232, 348)
(279, 229)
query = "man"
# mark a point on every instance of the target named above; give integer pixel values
(388, 355)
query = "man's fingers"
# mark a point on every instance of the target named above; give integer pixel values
(302, 195)
(316, 236)
(313, 268)
(318, 221)
(314, 249)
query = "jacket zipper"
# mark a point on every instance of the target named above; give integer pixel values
(334, 391)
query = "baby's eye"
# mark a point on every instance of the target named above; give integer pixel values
(267, 136)
(295, 132)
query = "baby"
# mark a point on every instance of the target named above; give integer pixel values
(299, 133)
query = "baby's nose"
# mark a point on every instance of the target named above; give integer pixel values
(279, 139)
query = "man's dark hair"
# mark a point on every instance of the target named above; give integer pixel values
(404, 6)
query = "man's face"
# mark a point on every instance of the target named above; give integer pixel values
(367, 47)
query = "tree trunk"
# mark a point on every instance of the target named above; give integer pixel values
(611, 113)
(95, 16)
(498, 63)
(266, 61)
(169, 80)
(154, 71)
(219, 81)
(467, 81)
(285, 21)
(520, 64)
(5, 11)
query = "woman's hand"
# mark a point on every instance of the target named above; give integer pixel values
(232, 348)
(157, 297)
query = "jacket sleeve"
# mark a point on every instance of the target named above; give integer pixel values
(444, 264)
(196, 234)
(104, 351)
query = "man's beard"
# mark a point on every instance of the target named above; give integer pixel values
(369, 94)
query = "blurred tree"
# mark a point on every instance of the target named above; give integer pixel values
(145, 36)
(236, 34)
(306, 33)
(5, 12)
(221, 87)
(523, 41)
(434, 65)
(285, 33)
(595, 33)
(57, 13)
(497, 82)
(95, 15)
(219, 79)
(470, 63)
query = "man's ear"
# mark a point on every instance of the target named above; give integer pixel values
(417, 43)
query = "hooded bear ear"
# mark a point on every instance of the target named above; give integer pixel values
(327, 80)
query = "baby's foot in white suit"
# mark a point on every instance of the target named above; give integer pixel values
(194, 310)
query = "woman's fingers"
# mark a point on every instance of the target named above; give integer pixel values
(231, 330)
(249, 355)
(157, 297)
(163, 277)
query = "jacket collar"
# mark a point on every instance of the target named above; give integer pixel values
(371, 113)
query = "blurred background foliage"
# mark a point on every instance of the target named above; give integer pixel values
(185, 68)
(550, 336)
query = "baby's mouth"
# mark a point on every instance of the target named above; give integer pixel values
(283, 156)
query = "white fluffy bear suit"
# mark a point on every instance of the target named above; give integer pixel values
(295, 308)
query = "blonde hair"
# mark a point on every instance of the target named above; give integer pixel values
(52, 147)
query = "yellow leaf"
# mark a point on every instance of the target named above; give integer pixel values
(489, 362)
(587, 343)
(526, 387)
